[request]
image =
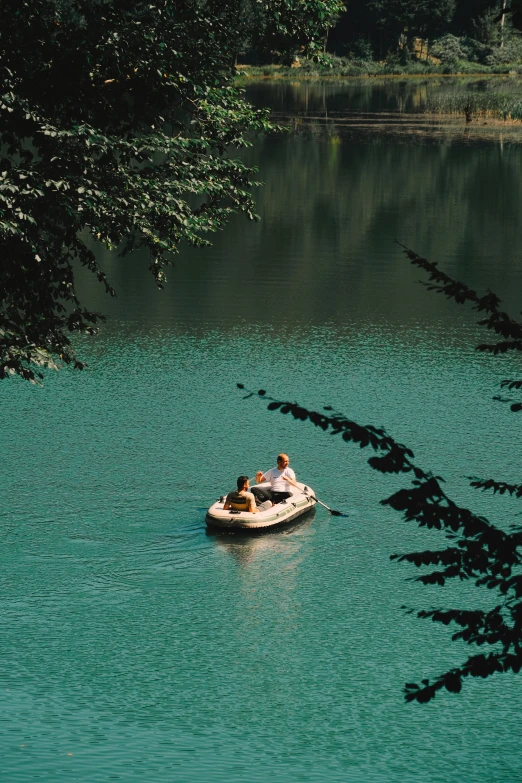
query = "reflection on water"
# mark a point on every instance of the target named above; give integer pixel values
(376, 111)
(394, 95)
(407, 129)
(285, 542)
(325, 249)
(332, 206)
(135, 645)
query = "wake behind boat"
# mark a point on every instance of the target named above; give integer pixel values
(301, 501)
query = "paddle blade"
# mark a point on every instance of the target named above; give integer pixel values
(337, 513)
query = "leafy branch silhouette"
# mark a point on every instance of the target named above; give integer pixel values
(478, 550)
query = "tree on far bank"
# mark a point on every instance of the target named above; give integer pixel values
(412, 18)
(280, 30)
(387, 24)
(377, 26)
(118, 118)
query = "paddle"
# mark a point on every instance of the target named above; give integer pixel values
(331, 510)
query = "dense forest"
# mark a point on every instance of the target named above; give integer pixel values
(440, 33)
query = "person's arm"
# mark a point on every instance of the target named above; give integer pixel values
(227, 504)
(260, 476)
(252, 507)
(290, 480)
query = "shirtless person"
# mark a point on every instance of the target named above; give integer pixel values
(279, 488)
(242, 499)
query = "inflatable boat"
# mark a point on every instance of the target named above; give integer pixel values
(301, 501)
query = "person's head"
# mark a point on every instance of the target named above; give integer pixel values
(283, 461)
(242, 483)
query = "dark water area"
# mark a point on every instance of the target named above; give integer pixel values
(404, 110)
(373, 94)
(136, 645)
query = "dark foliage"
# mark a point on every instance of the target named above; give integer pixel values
(381, 26)
(514, 11)
(280, 29)
(477, 550)
(117, 119)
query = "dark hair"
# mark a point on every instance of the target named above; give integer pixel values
(242, 480)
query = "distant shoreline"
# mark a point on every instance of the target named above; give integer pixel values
(253, 73)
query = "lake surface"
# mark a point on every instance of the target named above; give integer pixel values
(137, 646)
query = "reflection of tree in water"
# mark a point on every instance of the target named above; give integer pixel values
(397, 128)
(372, 94)
(334, 200)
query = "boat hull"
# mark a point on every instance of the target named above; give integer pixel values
(300, 503)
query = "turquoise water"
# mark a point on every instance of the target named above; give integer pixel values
(136, 645)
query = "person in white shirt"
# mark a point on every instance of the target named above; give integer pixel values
(280, 489)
